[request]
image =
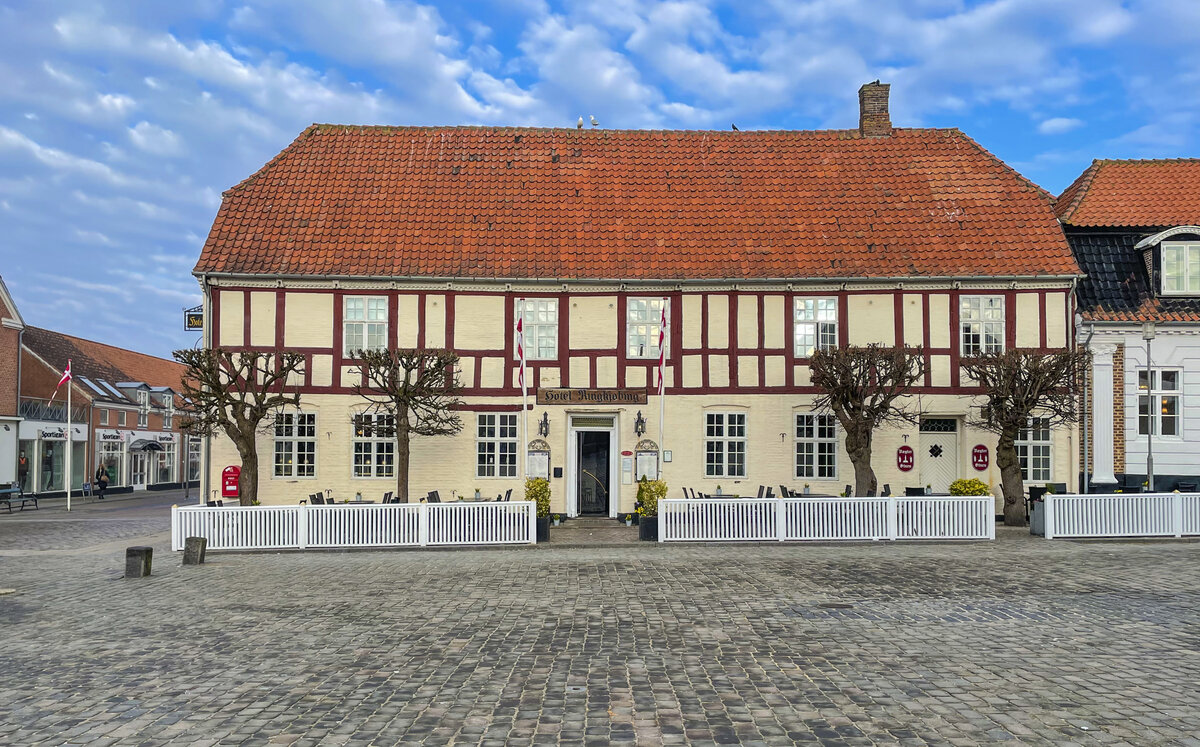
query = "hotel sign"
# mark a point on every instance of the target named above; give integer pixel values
(591, 396)
(193, 319)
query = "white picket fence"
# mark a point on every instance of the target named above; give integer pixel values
(1122, 515)
(342, 525)
(825, 519)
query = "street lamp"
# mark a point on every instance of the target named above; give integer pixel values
(1148, 336)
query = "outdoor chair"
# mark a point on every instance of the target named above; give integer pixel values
(1185, 487)
(1058, 488)
(387, 497)
(762, 489)
(508, 495)
(784, 492)
(317, 499)
(887, 490)
(770, 492)
(849, 490)
(433, 497)
(909, 491)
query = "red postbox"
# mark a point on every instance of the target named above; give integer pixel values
(229, 481)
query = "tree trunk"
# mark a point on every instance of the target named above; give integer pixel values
(248, 479)
(1012, 484)
(859, 449)
(402, 454)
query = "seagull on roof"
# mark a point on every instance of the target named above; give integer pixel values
(579, 124)
(594, 122)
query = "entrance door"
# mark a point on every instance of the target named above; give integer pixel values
(939, 453)
(592, 480)
(139, 467)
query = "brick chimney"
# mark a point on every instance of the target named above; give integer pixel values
(873, 118)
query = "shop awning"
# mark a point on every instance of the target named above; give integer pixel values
(145, 444)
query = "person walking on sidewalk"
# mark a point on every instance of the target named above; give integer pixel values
(101, 481)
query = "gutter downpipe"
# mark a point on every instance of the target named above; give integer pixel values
(1087, 441)
(206, 476)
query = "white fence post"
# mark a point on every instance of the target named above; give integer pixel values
(533, 523)
(893, 518)
(175, 544)
(1048, 515)
(302, 526)
(989, 515)
(423, 525)
(780, 519)
(1177, 513)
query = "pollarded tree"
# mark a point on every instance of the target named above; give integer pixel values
(863, 387)
(1019, 385)
(416, 392)
(237, 393)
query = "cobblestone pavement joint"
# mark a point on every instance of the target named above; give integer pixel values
(1019, 641)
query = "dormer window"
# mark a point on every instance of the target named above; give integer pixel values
(1180, 267)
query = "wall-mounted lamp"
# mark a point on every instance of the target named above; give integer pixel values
(639, 424)
(544, 425)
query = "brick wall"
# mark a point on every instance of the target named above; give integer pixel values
(9, 350)
(1118, 384)
(1086, 416)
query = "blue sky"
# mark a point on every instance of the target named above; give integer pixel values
(121, 123)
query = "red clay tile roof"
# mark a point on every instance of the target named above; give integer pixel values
(472, 202)
(95, 360)
(1159, 193)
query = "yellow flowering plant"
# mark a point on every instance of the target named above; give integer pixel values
(650, 492)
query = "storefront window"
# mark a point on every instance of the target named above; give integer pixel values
(166, 463)
(112, 456)
(51, 466)
(193, 467)
(25, 464)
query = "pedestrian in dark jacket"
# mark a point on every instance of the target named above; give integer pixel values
(101, 481)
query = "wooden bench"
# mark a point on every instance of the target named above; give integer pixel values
(9, 495)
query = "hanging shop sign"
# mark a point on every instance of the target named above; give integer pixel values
(980, 457)
(193, 319)
(591, 397)
(905, 458)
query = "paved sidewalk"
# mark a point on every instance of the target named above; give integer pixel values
(1021, 640)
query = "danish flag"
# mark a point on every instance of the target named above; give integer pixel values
(66, 375)
(662, 351)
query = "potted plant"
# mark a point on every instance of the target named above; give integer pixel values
(628, 520)
(807, 489)
(537, 489)
(928, 490)
(650, 492)
(555, 519)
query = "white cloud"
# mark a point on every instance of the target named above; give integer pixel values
(60, 160)
(1059, 125)
(156, 140)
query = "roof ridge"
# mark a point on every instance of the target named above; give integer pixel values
(1107, 161)
(533, 128)
(1081, 185)
(270, 164)
(1029, 182)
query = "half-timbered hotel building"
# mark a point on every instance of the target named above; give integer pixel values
(763, 245)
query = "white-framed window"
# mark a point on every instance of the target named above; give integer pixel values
(364, 324)
(495, 444)
(168, 412)
(121, 417)
(111, 454)
(193, 459)
(375, 444)
(1033, 450)
(981, 319)
(643, 323)
(295, 444)
(540, 324)
(1180, 267)
(166, 463)
(143, 398)
(143, 419)
(1159, 405)
(725, 444)
(816, 446)
(104, 417)
(816, 325)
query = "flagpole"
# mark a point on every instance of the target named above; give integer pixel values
(662, 381)
(67, 479)
(524, 389)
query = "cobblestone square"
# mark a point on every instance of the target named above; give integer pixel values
(1020, 640)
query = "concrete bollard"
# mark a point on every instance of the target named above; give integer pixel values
(137, 561)
(194, 549)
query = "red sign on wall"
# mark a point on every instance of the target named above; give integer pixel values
(979, 457)
(905, 458)
(229, 481)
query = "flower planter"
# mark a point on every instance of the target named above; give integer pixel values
(543, 529)
(648, 529)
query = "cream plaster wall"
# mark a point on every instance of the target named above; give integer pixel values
(693, 305)
(747, 320)
(435, 321)
(1056, 320)
(308, 320)
(406, 321)
(718, 370)
(479, 322)
(606, 371)
(774, 332)
(693, 371)
(635, 377)
(776, 370)
(914, 320)
(871, 318)
(1028, 321)
(262, 318)
(747, 371)
(581, 372)
(233, 318)
(322, 370)
(718, 321)
(593, 322)
(939, 320)
(491, 372)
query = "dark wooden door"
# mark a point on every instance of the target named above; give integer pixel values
(593, 473)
